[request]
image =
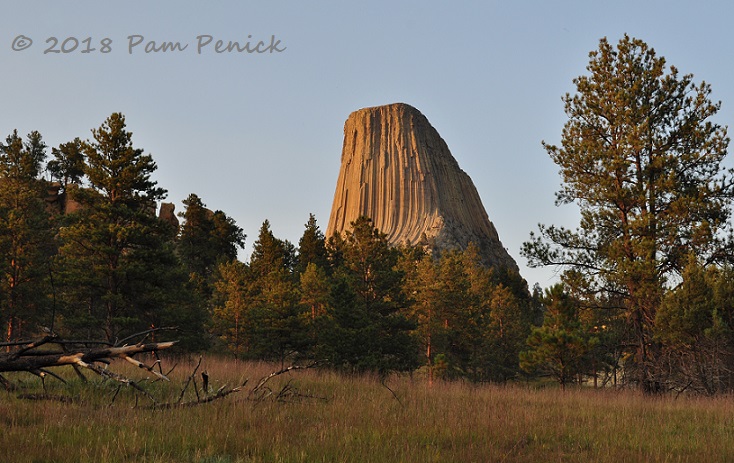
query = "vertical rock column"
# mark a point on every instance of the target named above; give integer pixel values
(397, 170)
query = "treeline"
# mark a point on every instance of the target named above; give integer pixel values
(84, 254)
(359, 304)
(646, 292)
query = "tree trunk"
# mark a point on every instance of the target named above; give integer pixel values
(28, 358)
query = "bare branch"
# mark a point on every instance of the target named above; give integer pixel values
(145, 333)
(12, 362)
(116, 377)
(188, 381)
(221, 393)
(272, 375)
(140, 364)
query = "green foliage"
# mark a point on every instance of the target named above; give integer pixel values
(364, 327)
(258, 310)
(68, 163)
(205, 240)
(694, 327)
(469, 323)
(270, 253)
(26, 236)
(21, 160)
(115, 257)
(194, 244)
(314, 289)
(562, 346)
(359, 304)
(230, 306)
(422, 285)
(116, 170)
(643, 161)
(312, 247)
(688, 311)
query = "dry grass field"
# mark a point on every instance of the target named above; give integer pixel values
(326, 417)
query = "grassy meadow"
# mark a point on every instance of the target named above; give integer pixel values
(326, 417)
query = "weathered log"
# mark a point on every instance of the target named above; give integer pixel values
(25, 360)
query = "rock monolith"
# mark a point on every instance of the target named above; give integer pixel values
(397, 170)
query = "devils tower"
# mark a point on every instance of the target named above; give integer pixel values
(397, 170)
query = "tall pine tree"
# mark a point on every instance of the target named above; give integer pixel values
(26, 242)
(116, 258)
(365, 327)
(642, 159)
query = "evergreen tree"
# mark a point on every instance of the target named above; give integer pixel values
(116, 254)
(457, 336)
(486, 324)
(68, 163)
(227, 237)
(229, 313)
(642, 159)
(694, 327)
(312, 247)
(365, 327)
(194, 243)
(206, 239)
(26, 242)
(22, 160)
(314, 290)
(270, 253)
(561, 346)
(422, 284)
(505, 327)
(274, 319)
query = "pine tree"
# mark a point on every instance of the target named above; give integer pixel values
(270, 253)
(68, 163)
(694, 327)
(275, 318)
(194, 242)
(457, 336)
(365, 327)
(116, 255)
(562, 346)
(642, 159)
(206, 239)
(422, 284)
(314, 290)
(312, 247)
(483, 323)
(26, 242)
(230, 305)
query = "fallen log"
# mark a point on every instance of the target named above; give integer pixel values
(25, 359)
(36, 357)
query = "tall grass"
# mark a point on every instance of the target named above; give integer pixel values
(360, 420)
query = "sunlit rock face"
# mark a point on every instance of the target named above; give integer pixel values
(397, 170)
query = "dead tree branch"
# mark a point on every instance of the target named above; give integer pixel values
(33, 361)
(28, 356)
(188, 381)
(220, 394)
(272, 375)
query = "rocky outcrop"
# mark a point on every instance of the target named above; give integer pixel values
(397, 170)
(58, 201)
(168, 214)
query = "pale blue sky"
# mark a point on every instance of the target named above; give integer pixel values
(259, 136)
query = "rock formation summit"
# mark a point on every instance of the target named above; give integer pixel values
(397, 170)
